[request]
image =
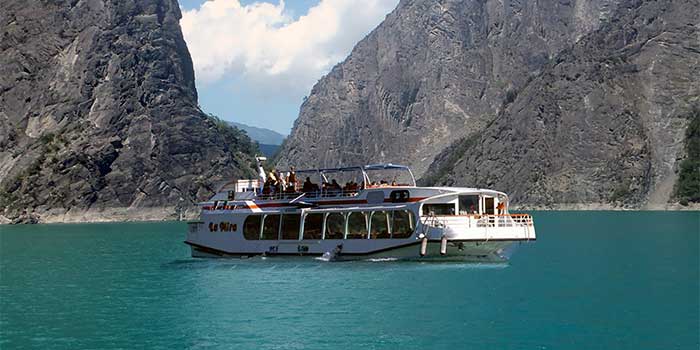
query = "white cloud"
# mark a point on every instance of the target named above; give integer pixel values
(263, 45)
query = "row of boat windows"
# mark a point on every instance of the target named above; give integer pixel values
(467, 204)
(355, 225)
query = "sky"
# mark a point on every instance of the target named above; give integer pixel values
(256, 60)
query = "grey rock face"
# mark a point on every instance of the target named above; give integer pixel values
(468, 85)
(431, 73)
(98, 110)
(603, 123)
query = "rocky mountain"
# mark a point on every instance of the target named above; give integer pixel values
(99, 116)
(561, 103)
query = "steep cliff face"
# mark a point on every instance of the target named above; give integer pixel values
(99, 116)
(554, 101)
(603, 123)
(431, 73)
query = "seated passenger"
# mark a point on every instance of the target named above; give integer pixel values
(308, 186)
(334, 187)
(291, 188)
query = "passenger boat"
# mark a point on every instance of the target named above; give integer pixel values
(380, 213)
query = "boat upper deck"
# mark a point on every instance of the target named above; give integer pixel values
(373, 185)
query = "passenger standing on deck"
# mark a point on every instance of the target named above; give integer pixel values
(271, 176)
(282, 178)
(271, 182)
(292, 179)
(501, 207)
(262, 179)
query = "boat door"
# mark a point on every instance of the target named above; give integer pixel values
(490, 209)
(489, 206)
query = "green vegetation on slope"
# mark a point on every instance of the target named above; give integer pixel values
(688, 185)
(446, 160)
(241, 141)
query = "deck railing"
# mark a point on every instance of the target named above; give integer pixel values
(307, 195)
(487, 220)
(485, 224)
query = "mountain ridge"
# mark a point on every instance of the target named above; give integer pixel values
(261, 135)
(99, 118)
(440, 76)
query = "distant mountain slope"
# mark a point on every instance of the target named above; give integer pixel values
(560, 103)
(99, 116)
(261, 135)
(269, 151)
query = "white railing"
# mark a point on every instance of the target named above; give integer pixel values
(488, 220)
(488, 226)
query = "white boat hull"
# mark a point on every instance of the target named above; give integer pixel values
(456, 251)
(465, 242)
(402, 222)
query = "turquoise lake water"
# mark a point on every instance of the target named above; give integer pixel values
(592, 280)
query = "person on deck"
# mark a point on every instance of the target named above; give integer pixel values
(501, 207)
(334, 187)
(292, 178)
(308, 186)
(262, 179)
(271, 176)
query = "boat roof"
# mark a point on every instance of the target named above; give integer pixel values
(469, 190)
(379, 166)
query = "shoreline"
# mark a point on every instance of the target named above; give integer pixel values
(159, 214)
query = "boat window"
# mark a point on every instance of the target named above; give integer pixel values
(439, 209)
(379, 225)
(489, 206)
(251, 227)
(313, 225)
(402, 225)
(468, 204)
(271, 227)
(290, 226)
(357, 225)
(335, 226)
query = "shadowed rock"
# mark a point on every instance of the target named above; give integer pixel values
(99, 117)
